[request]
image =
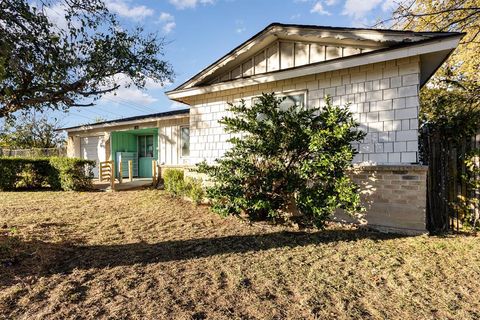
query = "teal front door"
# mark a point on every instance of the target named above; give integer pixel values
(145, 156)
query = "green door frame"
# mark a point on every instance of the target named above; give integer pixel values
(127, 141)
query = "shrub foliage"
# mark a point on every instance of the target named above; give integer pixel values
(284, 161)
(55, 173)
(177, 184)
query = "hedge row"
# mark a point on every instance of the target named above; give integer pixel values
(56, 173)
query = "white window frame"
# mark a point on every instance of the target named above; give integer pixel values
(181, 142)
(287, 93)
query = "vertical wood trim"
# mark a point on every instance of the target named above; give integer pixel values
(279, 62)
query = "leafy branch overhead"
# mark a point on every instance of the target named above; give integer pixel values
(447, 15)
(284, 161)
(44, 65)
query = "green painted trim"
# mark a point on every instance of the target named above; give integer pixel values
(126, 141)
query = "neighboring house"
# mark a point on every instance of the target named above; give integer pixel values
(161, 136)
(378, 72)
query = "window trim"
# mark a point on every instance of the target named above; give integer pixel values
(286, 93)
(144, 137)
(181, 142)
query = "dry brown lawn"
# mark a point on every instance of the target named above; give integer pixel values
(145, 255)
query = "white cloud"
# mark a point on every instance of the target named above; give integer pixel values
(359, 9)
(178, 105)
(318, 8)
(168, 22)
(169, 26)
(189, 4)
(165, 16)
(123, 9)
(131, 93)
(295, 16)
(330, 2)
(389, 5)
(56, 15)
(240, 30)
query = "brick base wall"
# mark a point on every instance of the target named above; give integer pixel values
(395, 198)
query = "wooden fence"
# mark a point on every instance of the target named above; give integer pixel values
(446, 181)
(33, 153)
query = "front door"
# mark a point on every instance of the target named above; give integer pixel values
(145, 156)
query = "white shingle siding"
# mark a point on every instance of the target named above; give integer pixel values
(383, 97)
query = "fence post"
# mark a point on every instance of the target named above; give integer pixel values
(120, 172)
(154, 171)
(112, 175)
(130, 170)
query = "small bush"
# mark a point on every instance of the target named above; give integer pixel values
(176, 183)
(55, 173)
(194, 190)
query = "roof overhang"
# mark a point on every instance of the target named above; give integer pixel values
(364, 37)
(432, 52)
(121, 122)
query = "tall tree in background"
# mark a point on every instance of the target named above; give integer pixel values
(32, 130)
(44, 65)
(446, 15)
(460, 73)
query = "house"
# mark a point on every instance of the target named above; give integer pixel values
(160, 136)
(378, 72)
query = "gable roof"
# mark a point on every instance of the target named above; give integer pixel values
(369, 40)
(146, 117)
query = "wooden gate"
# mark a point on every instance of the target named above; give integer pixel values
(446, 182)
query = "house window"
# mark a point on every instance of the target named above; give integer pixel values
(145, 146)
(185, 141)
(296, 99)
(291, 99)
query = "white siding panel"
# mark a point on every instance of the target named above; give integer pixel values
(317, 53)
(334, 52)
(93, 148)
(260, 63)
(247, 68)
(301, 54)
(169, 141)
(286, 55)
(272, 58)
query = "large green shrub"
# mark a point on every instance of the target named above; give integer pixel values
(55, 173)
(285, 161)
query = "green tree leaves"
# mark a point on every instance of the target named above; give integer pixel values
(47, 66)
(284, 161)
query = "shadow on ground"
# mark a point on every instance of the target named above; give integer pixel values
(44, 258)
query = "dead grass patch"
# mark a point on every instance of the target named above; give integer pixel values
(145, 255)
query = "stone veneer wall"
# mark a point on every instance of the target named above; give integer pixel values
(382, 96)
(395, 198)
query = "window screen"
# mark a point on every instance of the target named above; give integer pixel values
(297, 100)
(185, 136)
(145, 146)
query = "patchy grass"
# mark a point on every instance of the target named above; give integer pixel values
(142, 254)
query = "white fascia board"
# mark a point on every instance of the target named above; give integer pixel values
(349, 62)
(126, 123)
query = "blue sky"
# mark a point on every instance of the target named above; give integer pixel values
(198, 32)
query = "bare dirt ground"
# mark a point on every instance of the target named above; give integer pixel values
(145, 255)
